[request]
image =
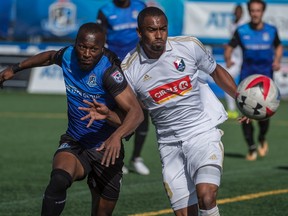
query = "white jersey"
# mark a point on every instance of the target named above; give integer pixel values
(169, 87)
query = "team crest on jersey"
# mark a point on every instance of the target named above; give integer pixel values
(61, 18)
(92, 80)
(117, 76)
(179, 64)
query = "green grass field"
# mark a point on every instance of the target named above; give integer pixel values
(29, 134)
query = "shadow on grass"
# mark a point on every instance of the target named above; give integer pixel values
(234, 155)
(283, 167)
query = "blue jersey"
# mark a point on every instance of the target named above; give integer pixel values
(258, 49)
(104, 82)
(121, 24)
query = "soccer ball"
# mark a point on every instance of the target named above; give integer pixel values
(257, 97)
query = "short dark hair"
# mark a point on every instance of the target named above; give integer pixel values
(256, 1)
(149, 11)
(91, 28)
(238, 6)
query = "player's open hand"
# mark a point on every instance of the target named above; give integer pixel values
(6, 75)
(111, 147)
(96, 111)
(244, 119)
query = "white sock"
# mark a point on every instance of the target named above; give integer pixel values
(212, 212)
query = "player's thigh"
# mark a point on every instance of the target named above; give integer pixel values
(178, 185)
(204, 149)
(102, 180)
(71, 157)
(70, 163)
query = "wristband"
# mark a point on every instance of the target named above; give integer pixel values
(16, 68)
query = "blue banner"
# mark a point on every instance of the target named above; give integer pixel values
(58, 20)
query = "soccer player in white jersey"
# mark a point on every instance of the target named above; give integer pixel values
(162, 72)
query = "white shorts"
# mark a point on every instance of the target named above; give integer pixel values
(181, 161)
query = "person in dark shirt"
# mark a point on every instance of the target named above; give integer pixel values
(91, 74)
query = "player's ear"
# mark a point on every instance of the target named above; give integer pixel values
(139, 33)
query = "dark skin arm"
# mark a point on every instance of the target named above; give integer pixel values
(39, 60)
(225, 81)
(227, 56)
(127, 102)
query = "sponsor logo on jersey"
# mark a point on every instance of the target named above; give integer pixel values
(179, 64)
(213, 157)
(266, 36)
(171, 90)
(92, 80)
(146, 77)
(117, 76)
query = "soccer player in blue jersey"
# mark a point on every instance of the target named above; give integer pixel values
(91, 73)
(119, 18)
(262, 53)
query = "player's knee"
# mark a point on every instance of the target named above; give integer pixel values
(207, 182)
(207, 200)
(60, 181)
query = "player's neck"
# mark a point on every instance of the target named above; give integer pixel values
(257, 26)
(122, 4)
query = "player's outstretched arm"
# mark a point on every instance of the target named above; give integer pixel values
(224, 80)
(41, 59)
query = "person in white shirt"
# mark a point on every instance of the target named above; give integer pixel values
(236, 57)
(163, 73)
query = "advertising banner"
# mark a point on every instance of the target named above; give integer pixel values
(209, 20)
(47, 80)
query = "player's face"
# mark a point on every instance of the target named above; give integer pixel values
(153, 35)
(256, 13)
(122, 3)
(89, 49)
(238, 13)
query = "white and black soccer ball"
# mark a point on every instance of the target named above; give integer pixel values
(257, 97)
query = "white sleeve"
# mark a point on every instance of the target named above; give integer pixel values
(204, 58)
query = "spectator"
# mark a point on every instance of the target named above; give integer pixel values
(236, 58)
